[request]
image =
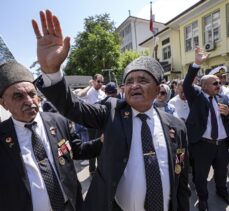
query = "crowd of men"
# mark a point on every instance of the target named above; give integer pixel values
(145, 133)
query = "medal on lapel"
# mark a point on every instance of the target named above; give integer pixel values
(61, 161)
(9, 141)
(179, 160)
(52, 130)
(177, 168)
(126, 114)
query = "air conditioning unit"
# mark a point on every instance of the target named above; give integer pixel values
(209, 46)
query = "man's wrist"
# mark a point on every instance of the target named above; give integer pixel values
(52, 78)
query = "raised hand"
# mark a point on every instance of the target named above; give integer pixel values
(52, 49)
(200, 56)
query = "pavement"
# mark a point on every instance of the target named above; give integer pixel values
(215, 203)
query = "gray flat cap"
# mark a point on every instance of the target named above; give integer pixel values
(13, 72)
(148, 64)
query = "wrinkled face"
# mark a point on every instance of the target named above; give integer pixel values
(98, 82)
(140, 90)
(180, 92)
(162, 96)
(212, 86)
(21, 100)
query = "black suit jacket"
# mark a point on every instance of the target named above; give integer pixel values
(199, 108)
(15, 193)
(114, 118)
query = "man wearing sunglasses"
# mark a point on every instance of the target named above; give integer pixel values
(221, 73)
(208, 131)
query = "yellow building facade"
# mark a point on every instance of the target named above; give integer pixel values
(205, 24)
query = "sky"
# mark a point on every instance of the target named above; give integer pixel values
(16, 15)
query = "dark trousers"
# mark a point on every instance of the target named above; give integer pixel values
(204, 155)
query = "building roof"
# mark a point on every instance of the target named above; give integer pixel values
(151, 37)
(133, 17)
(184, 12)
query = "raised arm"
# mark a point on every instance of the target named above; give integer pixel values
(200, 56)
(52, 48)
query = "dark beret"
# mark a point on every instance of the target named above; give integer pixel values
(111, 88)
(148, 64)
(13, 72)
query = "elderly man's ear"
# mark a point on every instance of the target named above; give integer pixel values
(2, 103)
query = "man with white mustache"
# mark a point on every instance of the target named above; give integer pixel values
(36, 150)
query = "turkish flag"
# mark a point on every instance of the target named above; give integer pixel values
(151, 18)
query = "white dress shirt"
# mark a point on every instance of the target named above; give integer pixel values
(181, 107)
(221, 130)
(40, 198)
(131, 190)
(94, 96)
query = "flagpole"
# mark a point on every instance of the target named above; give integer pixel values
(151, 28)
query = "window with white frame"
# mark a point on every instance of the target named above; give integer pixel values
(166, 52)
(212, 27)
(191, 36)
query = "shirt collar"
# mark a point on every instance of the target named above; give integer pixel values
(149, 112)
(22, 124)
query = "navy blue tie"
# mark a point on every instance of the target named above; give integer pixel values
(214, 130)
(154, 192)
(50, 179)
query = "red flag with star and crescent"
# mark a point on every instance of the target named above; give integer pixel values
(151, 18)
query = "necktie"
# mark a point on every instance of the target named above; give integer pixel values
(154, 193)
(214, 131)
(46, 169)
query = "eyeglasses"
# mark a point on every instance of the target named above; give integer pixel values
(216, 83)
(100, 82)
(162, 93)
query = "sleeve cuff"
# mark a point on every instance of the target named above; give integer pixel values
(195, 65)
(53, 78)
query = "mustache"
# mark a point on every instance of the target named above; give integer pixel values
(26, 107)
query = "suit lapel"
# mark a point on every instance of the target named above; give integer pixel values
(172, 147)
(11, 145)
(53, 137)
(126, 117)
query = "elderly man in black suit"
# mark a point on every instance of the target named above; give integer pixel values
(36, 150)
(208, 131)
(144, 161)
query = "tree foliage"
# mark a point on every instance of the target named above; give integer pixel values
(97, 48)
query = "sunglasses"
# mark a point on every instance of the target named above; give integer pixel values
(100, 82)
(162, 93)
(216, 83)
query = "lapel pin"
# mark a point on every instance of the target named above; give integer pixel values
(172, 133)
(177, 168)
(8, 140)
(61, 161)
(52, 130)
(126, 114)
